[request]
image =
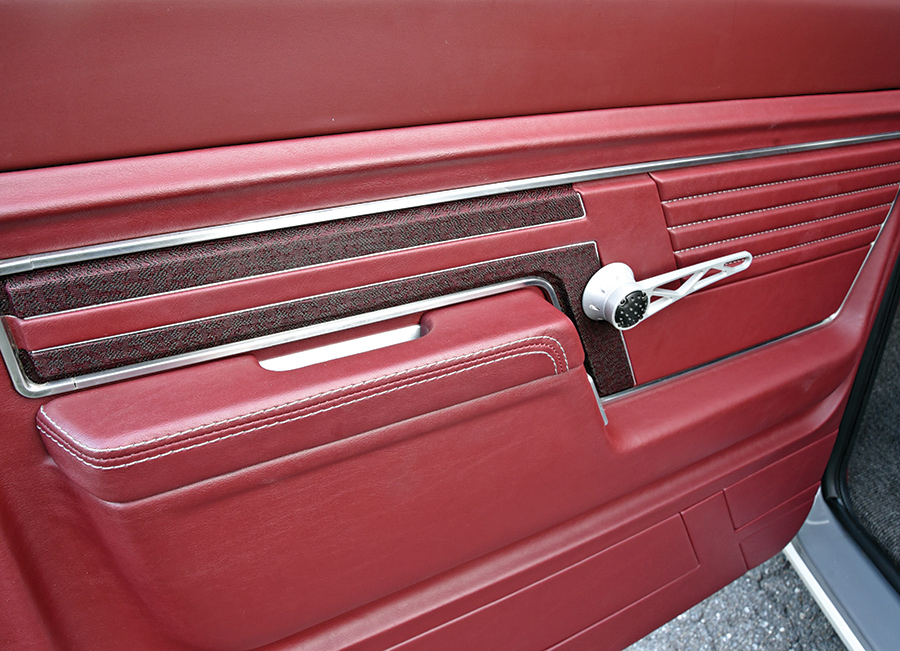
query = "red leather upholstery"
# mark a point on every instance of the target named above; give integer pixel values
(630, 224)
(666, 554)
(750, 312)
(101, 202)
(764, 490)
(251, 557)
(103, 575)
(819, 204)
(700, 452)
(808, 219)
(415, 458)
(175, 429)
(782, 174)
(199, 74)
(20, 625)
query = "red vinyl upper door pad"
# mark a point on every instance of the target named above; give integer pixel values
(186, 75)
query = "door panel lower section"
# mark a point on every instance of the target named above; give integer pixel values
(254, 556)
(244, 505)
(540, 615)
(752, 497)
(777, 526)
(424, 502)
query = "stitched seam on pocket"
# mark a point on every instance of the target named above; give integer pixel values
(318, 406)
(785, 205)
(783, 228)
(83, 459)
(824, 239)
(766, 185)
(372, 382)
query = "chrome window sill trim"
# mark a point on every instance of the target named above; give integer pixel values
(340, 350)
(30, 389)
(82, 254)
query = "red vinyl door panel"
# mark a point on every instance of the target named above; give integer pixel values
(188, 74)
(291, 307)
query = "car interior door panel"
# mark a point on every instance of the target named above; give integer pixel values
(295, 345)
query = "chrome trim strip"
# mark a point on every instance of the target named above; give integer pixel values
(82, 254)
(20, 382)
(299, 298)
(365, 256)
(341, 349)
(31, 389)
(597, 397)
(862, 266)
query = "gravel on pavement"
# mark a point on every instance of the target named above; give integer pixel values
(768, 609)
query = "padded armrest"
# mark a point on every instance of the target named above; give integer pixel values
(141, 437)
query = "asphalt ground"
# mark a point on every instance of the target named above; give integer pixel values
(768, 609)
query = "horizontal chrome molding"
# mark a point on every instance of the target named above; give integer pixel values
(365, 256)
(82, 254)
(31, 389)
(342, 349)
(292, 300)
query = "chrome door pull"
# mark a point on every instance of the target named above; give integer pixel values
(612, 294)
